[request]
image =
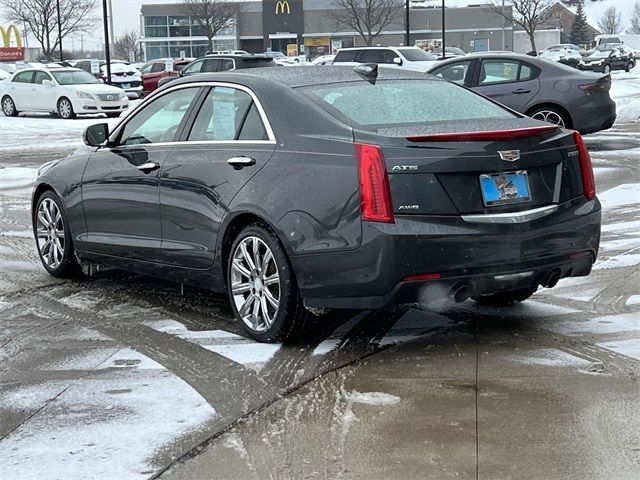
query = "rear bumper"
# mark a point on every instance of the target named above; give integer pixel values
(461, 253)
(590, 117)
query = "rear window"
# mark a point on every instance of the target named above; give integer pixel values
(402, 102)
(416, 55)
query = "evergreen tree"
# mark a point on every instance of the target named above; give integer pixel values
(579, 31)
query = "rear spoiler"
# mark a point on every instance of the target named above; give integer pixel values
(489, 135)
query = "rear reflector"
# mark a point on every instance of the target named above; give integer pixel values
(588, 180)
(589, 87)
(489, 136)
(425, 276)
(375, 193)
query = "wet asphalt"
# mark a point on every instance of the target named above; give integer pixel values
(121, 376)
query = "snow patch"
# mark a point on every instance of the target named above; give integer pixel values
(626, 194)
(551, 357)
(253, 355)
(632, 300)
(626, 322)
(628, 348)
(619, 261)
(17, 177)
(128, 358)
(622, 226)
(372, 398)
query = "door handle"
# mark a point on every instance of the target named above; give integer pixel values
(149, 167)
(520, 91)
(239, 162)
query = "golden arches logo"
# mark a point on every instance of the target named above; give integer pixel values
(6, 36)
(281, 6)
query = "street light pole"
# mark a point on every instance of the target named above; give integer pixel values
(59, 28)
(503, 27)
(443, 30)
(107, 55)
(407, 37)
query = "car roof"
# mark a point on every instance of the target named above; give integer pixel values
(301, 77)
(379, 47)
(236, 56)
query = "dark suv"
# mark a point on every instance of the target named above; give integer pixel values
(221, 63)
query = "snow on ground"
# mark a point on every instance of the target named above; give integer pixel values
(625, 91)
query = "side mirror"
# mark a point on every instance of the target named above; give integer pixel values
(181, 73)
(96, 135)
(47, 83)
(397, 61)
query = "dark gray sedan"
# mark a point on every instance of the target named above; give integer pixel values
(305, 189)
(541, 89)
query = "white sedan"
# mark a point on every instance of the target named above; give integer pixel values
(66, 92)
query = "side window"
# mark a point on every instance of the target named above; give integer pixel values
(388, 56)
(194, 67)
(456, 72)
(157, 67)
(526, 73)
(24, 77)
(372, 56)
(40, 77)
(498, 71)
(159, 121)
(226, 64)
(211, 65)
(346, 56)
(146, 68)
(226, 114)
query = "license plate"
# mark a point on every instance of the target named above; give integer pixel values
(126, 85)
(505, 188)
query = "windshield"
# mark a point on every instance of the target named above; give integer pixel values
(402, 102)
(79, 77)
(416, 55)
(601, 54)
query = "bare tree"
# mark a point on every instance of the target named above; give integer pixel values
(635, 19)
(126, 44)
(212, 15)
(367, 17)
(41, 19)
(610, 22)
(528, 14)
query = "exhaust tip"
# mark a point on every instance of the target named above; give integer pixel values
(460, 293)
(552, 278)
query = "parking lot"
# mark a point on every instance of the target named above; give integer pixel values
(121, 376)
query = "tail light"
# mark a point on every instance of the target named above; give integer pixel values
(375, 193)
(590, 87)
(588, 180)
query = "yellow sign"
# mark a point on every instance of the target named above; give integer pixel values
(6, 36)
(292, 50)
(281, 6)
(316, 42)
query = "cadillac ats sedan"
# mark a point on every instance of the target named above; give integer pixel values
(297, 191)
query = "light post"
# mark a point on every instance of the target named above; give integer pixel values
(407, 37)
(443, 30)
(59, 28)
(107, 54)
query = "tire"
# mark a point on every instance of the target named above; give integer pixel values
(268, 312)
(550, 115)
(65, 109)
(113, 115)
(628, 66)
(505, 298)
(606, 69)
(8, 107)
(53, 238)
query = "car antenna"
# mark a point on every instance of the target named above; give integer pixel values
(368, 71)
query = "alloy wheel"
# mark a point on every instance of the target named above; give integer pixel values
(8, 107)
(50, 233)
(549, 116)
(255, 283)
(65, 108)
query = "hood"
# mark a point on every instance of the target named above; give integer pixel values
(97, 88)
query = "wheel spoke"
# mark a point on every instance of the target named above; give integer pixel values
(45, 245)
(244, 310)
(268, 256)
(247, 257)
(272, 280)
(42, 233)
(43, 219)
(238, 267)
(60, 233)
(255, 315)
(272, 300)
(240, 288)
(265, 311)
(256, 252)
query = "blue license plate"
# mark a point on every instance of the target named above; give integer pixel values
(505, 188)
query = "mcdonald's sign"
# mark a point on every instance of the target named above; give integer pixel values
(282, 6)
(7, 52)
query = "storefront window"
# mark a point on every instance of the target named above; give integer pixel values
(179, 26)
(176, 49)
(157, 50)
(199, 49)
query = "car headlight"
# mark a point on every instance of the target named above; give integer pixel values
(86, 95)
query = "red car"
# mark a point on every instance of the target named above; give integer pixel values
(154, 70)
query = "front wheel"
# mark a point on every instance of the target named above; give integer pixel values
(262, 287)
(8, 107)
(53, 238)
(505, 298)
(65, 109)
(628, 66)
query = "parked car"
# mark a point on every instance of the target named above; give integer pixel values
(449, 52)
(155, 70)
(323, 60)
(66, 92)
(221, 63)
(300, 190)
(407, 58)
(541, 89)
(227, 52)
(565, 53)
(608, 57)
(123, 75)
(4, 74)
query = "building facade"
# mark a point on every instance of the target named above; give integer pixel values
(312, 28)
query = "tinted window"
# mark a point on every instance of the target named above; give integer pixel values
(498, 71)
(23, 77)
(456, 72)
(40, 77)
(157, 67)
(194, 67)
(223, 114)
(226, 64)
(159, 120)
(416, 55)
(372, 56)
(395, 102)
(212, 65)
(346, 56)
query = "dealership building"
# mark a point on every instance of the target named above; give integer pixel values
(311, 27)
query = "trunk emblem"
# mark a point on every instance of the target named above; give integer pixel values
(509, 155)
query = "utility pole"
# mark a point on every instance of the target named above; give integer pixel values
(111, 34)
(105, 21)
(443, 30)
(407, 37)
(59, 28)
(503, 27)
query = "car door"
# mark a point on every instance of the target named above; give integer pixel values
(229, 141)
(20, 90)
(120, 190)
(510, 82)
(43, 97)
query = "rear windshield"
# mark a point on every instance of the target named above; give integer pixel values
(416, 55)
(402, 102)
(257, 62)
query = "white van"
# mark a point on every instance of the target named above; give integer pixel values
(409, 58)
